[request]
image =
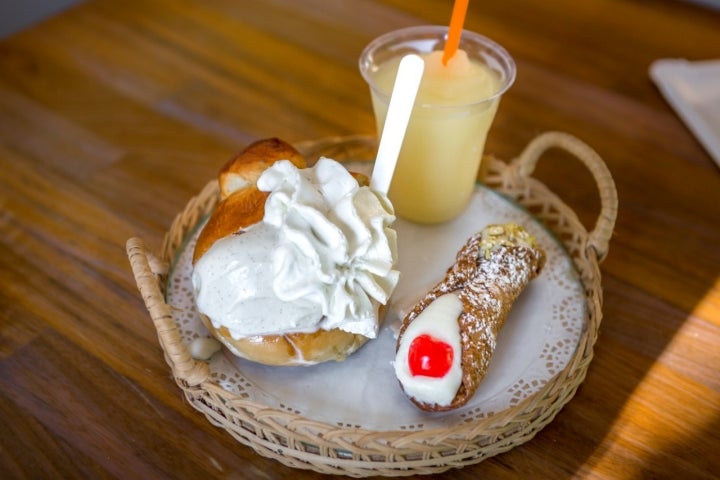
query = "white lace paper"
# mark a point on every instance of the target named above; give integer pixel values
(539, 338)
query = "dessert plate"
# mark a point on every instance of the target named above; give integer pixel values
(540, 336)
(351, 417)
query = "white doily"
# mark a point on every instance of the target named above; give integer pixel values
(538, 339)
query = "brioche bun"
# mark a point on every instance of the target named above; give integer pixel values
(241, 205)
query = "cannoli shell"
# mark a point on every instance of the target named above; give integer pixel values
(491, 270)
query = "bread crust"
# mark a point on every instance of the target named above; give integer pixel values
(232, 215)
(246, 167)
(242, 205)
(292, 349)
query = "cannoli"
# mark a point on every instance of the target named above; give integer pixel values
(446, 341)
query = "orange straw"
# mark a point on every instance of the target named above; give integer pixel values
(456, 25)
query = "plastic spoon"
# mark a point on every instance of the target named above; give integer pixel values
(457, 19)
(402, 99)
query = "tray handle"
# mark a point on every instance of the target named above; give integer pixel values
(524, 165)
(147, 269)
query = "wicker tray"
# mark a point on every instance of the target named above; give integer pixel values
(331, 447)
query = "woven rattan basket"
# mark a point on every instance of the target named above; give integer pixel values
(308, 444)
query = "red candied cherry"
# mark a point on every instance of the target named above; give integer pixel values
(429, 357)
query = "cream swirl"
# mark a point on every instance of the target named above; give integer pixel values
(336, 248)
(321, 258)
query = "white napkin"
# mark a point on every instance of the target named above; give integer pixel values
(693, 90)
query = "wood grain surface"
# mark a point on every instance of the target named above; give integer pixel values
(114, 113)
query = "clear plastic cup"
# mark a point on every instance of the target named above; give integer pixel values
(443, 146)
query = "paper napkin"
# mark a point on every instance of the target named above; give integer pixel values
(693, 90)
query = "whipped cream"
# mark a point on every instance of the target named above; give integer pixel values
(439, 321)
(321, 258)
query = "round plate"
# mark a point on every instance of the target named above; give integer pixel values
(540, 335)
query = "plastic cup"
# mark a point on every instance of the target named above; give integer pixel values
(440, 157)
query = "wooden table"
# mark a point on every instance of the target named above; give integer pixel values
(113, 114)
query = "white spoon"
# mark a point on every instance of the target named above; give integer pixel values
(402, 99)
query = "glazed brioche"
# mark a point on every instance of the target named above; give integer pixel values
(245, 168)
(241, 203)
(292, 348)
(241, 206)
(232, 215)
